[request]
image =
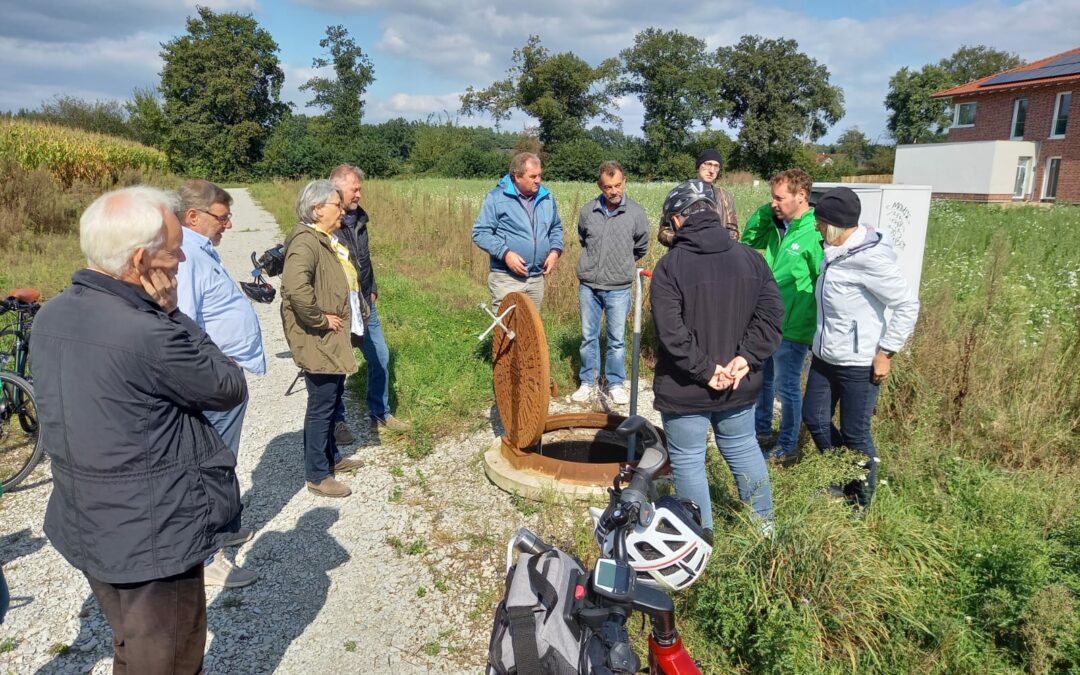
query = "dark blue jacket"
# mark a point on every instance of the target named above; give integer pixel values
(354, 234)
(504, 225)
(143, 486)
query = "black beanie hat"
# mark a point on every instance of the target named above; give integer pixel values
(840, 207)
(710, 155)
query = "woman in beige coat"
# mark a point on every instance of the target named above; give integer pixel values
(323, 313)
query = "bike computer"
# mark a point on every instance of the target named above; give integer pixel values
(613, 579)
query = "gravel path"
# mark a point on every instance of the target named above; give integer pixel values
(398, 578)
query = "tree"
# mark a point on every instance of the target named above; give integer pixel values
(102, 117)
(146, 119)
(671, 73)
(343, 96)
(779, 98)
(972, 63)
(221, 83)
(561, 91)
(914, 117)
(855, 145)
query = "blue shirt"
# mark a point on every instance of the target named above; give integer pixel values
(207, 294)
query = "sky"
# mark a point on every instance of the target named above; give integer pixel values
(427, 52)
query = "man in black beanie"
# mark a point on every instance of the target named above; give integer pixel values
(708, 167)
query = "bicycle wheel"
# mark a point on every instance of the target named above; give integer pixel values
(20, 442)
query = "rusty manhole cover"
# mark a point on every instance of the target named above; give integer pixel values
(521, 372)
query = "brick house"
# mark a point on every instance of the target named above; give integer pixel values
(1010, 138)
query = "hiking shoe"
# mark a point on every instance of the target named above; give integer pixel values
(767, 442)
(583, 393)
(329, 487)
(221, 572)
(343, 435)
(392, 423)
(618, 394)
(244, 534)
(349, 464)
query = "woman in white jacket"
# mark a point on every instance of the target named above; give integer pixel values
(854, 343)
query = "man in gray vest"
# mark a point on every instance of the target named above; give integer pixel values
(614, 234)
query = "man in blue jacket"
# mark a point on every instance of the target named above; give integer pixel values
(519, 227)
(144, 489)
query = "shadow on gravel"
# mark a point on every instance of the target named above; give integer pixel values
(18, 544)
(252, 635)
(91, 645)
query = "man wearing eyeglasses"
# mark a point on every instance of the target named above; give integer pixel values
(210, 297)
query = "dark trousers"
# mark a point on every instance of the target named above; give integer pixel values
(320, 448)
(849, 387)
(158, 626)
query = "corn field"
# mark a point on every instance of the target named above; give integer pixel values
(71, 155)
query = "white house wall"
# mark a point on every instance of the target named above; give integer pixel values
(977, 167)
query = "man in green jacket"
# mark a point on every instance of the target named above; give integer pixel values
(784, 229)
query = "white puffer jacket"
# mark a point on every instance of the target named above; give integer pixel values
(853, 293)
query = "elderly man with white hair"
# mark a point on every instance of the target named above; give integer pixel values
(144, 489)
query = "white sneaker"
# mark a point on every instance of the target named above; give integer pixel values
(221, 572)
(618, 394)
(584, 393)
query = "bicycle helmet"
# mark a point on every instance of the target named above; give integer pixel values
(684, 195)
(668, 553)
(258, 290)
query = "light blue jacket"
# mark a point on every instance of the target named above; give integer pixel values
(853, 292)
(504, 225)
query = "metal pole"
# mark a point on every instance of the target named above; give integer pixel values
(631, 443)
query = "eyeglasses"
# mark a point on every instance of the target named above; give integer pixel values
(337, 204)
(221, 219)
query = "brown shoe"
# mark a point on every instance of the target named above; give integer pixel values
(343, 435)
(349, 464)
(392, 423)
(328, 487)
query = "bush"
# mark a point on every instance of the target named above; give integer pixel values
(470, 162)
(575, 160)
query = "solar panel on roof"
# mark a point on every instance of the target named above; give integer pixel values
(1068, 64)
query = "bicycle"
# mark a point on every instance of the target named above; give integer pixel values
(20, 447)
(15, 338)
(614, 586)
(20, 442)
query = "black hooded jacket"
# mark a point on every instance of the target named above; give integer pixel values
(712, 299)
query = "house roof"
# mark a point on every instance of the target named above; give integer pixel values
(1016, 78)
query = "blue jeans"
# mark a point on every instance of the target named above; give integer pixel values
(616, 305)
(850, 387)
(320, 448)
(782, 375)
(228, 424)
(377, 355)
(734, 431)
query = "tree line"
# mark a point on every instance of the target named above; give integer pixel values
(217, 112)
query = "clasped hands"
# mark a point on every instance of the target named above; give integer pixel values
(730, 375)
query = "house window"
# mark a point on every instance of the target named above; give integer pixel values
(1061, 114)
(1050, 180)
(1019, 117)
(965, 115)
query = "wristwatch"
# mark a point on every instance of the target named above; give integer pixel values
(888, 353)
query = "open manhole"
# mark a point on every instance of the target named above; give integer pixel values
(576, 454)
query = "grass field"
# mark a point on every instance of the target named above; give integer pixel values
(969, 559)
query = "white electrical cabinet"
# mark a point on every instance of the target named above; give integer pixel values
(901, 210)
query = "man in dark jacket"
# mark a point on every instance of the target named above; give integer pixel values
(614, 233)
(717, 312)
(144, 489)
(354, 234)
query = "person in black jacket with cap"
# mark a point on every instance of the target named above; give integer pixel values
(718, 313)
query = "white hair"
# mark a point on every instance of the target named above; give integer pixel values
(314, 194)
(121, 221)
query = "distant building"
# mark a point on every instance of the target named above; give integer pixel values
(1010, 139)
